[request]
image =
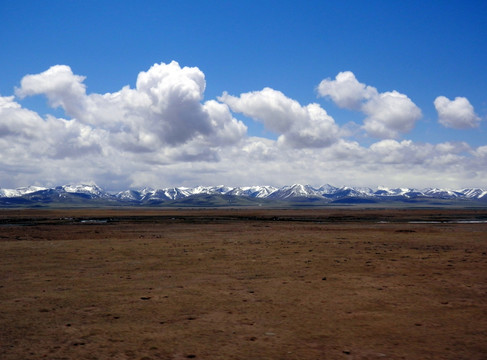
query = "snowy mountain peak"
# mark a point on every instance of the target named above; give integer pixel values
(131, 195)
(253, 191)
(385, 191)
(295, 190)
(88, 189)
(443, 193)
(474, 193)
(327, 188)
(20, 191)
(219, 189)
(298, 192)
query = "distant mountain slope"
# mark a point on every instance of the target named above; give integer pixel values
(297, 194)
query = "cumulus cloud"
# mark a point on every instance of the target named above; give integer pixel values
(163, 120)
(298, 126)
(175, 111)
(162, 132)
(58, 83)
(27, 132)
(346, 91)
(456, 114)
(389, 114)
(164, 110)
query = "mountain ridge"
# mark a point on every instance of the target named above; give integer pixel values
(221, 194)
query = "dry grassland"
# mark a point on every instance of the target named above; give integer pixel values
(243, 284)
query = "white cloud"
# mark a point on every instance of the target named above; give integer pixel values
(28, 133)
(456, 114)
(269, 106)
(159, 122)
(387, 162)
(163, 133)
(403, 152)
(226, 129)
(61, 87)
(175, 113)
(389, 114)
(33, 149)
(346, 91)
(481, 152)
(164, 110)
(298, 126)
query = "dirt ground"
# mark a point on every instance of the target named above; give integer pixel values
(243, 284)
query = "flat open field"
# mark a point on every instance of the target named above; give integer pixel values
(243, 284)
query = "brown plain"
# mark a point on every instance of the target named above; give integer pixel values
(243, 284)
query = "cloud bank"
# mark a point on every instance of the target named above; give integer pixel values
(164, 133)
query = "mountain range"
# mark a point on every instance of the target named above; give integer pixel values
(294, 195)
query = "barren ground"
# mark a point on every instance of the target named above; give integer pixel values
(243, 284)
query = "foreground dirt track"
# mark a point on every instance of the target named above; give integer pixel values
(243, 284)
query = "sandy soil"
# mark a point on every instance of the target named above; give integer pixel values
(243, 284)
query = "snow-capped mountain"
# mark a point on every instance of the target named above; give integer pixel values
(90, 190)
(253, 191)
(345, 191)
(129, 195)
(474, 193)
(6, 193)
(384, 191)
(296, 192)
(442, 193)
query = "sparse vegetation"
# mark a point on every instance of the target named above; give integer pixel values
(242, 284)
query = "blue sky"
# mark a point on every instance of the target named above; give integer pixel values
(417, 51)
